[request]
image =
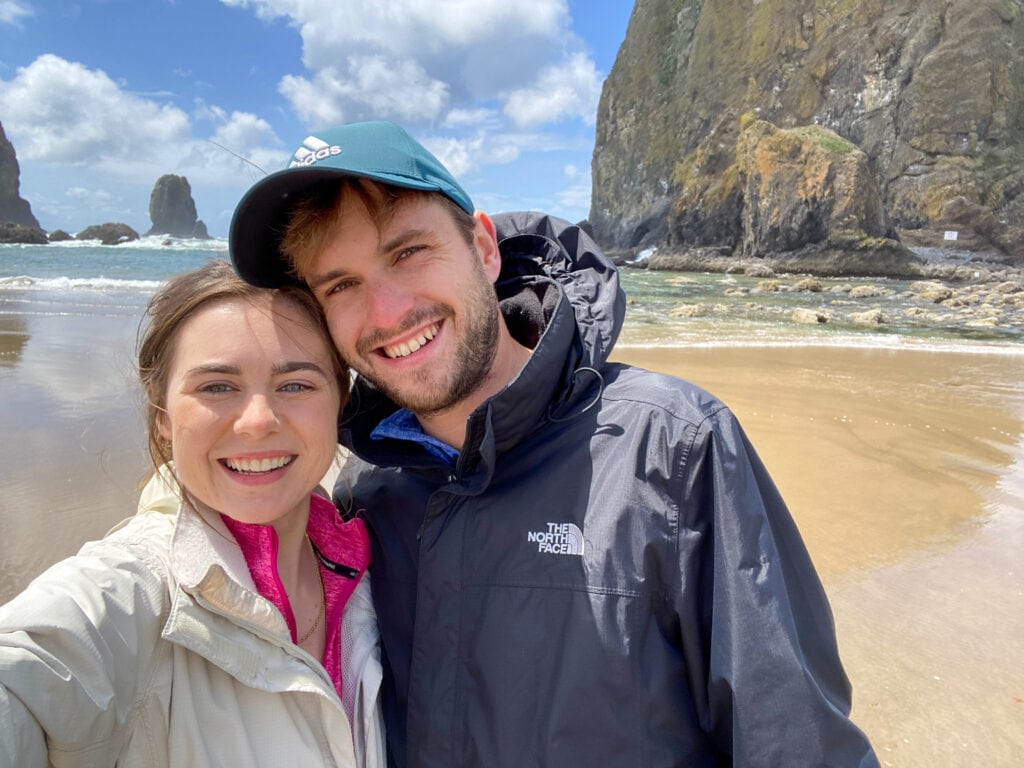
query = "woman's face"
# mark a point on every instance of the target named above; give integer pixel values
(251, 408)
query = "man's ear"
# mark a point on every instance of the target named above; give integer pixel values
(485, 239)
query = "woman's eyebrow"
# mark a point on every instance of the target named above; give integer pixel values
(298, 365)
(224, 368)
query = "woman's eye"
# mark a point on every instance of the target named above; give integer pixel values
(339, 287)
(296, 386)
(215, 388)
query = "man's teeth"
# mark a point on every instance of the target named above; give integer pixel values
(410, 346)
(258, 465)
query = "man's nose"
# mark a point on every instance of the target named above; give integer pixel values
(389, 302)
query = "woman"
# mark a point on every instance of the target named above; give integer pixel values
(229, 622)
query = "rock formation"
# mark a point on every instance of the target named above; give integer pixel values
(19, 233)
(108, 234)
(930, 91)
(13, 210)
(172, 209)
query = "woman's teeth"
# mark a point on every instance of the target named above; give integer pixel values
(258, 465)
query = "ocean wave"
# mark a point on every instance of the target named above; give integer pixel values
(149, 243)
(64, 284)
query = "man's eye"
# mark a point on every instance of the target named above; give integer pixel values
(407, 252)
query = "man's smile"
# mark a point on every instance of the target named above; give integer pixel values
(407, 347)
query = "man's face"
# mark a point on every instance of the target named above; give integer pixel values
(411, 307)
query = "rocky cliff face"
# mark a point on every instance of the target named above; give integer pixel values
(13, 210)
(930, 91)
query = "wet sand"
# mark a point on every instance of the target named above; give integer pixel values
(904, 470)
(905, 473)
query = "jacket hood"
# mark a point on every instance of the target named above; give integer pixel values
(538, 250)
(560, 296)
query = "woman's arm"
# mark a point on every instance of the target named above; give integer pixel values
(75, 648)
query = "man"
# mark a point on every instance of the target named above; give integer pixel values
(575, 563)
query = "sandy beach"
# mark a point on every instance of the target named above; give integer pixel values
(904, 470)
(905, 473)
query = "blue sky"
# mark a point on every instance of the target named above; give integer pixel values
(101, 97)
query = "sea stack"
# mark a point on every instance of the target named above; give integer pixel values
(172, 209)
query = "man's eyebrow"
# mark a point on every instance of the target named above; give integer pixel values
(318, 281)
(402, 238)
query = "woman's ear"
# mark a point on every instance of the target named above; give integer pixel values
(163, 424)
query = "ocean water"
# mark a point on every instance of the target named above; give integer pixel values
(664, 309)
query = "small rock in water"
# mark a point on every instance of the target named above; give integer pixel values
(870, 317)
(809, 316)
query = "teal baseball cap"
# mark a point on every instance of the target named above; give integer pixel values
(380, 151)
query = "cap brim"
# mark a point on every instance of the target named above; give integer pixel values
(259, 221)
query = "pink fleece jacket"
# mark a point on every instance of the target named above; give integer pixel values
(344, 553)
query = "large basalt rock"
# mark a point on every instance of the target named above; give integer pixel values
(111, 233)
(13, 209)
(810, 196)
(932, 91)
(172, 209)
(19, 233)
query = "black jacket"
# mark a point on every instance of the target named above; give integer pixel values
(609, 577)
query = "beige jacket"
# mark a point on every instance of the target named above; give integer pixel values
(151, 647)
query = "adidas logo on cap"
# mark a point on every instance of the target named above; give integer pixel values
(312, 150)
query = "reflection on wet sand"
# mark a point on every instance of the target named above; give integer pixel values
(71, 448)
(13, 338)
(905, 473)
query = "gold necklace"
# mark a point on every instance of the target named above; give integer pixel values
(323, 597)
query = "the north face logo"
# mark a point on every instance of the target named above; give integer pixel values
(558, 539)
(312, 150)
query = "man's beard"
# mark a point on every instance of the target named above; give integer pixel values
(441, 390)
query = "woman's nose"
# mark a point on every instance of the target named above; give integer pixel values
(257, 417)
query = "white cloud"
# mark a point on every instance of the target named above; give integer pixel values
(12, 11)
(90, 151)
(79, 194)
(576, 196)
(426, 27)
(416, 61)
(570, 89)
(370, 87)
(460, 156)
(242, 148)
(481, 117)
(61, 111)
